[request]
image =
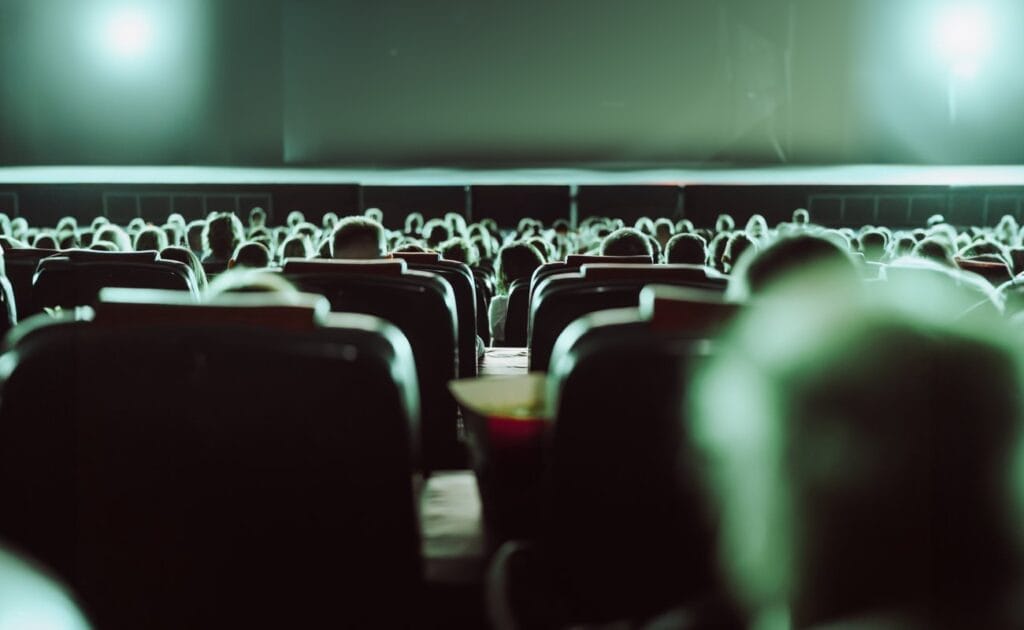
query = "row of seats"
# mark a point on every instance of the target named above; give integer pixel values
(245, 463)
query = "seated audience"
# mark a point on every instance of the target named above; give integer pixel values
(516, 261)
(221, 235)
(251, 255)
(626, 242)
(358, 238)
(867, 476)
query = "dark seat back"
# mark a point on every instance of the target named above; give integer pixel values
(76, 278)
(205, 474)
(621, 504)
(20, 265)
(422, 306)
(575, 261)
(562, 298)
(461, 279)
(517, 315)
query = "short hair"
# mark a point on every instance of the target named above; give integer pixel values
(358, 237)
(686, 249)
(114, 234)
(294, 218)
(222, 234)
(460, 250)
(329, 220)
(297, 246)
(150, 238)
(436, 231)
(516, 261)
(252, 255)
(725, 223)
(413, 223)
(257, 217)
(626, 242)
(45, 241)
(738, 243)
(801, 216)
(186, 257)
(194, 236)
(788, 255)
(935, 249)
(919, 408)
(374, 214)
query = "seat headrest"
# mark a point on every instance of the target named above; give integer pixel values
(382, 267)
(578, 260)
(644, 272)
(995, 271)
(29, 253)
(418, 257)
(685, 309)
(149, 307)
(88, 255)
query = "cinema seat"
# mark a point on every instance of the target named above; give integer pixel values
(75, 277)
(20, 267)
(517, 314)
(201, 472)
(464, 286)
(575, 261)
(422, 305)
(562, 298)
(624, 534)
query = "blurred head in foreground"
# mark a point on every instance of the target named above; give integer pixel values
(29, 599)
(861, 443)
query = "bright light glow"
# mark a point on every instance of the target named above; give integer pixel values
(129, 33)
(963, 36)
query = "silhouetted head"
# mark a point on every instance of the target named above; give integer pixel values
(358, 238)
(222, 234)
(516, 261)
(626, 242)
(686, 249)
(251, 255)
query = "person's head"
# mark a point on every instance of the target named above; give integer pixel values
(150, 238)
(222, 234)
(663, 231)
(186, 257)
(194, 236)
(935, 249)
(257, 218)
(686, 249)
(358, 238)
(115, 235)
(67, 224)
(374, 214)
(459, 250)
(414, 223)
(66, 240)
(544, 247)
(800, 253)
(724, 223)
(862, 447)
(251, 255)
(330, 219)
(626, 242)
(873, 244)
(19, 227)
(295, 247)
(435, 232)
(246, 280)
(801, 216)
(735, 247)
(294, 218)
(516, 261)
(45, 240)
(757, 227)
